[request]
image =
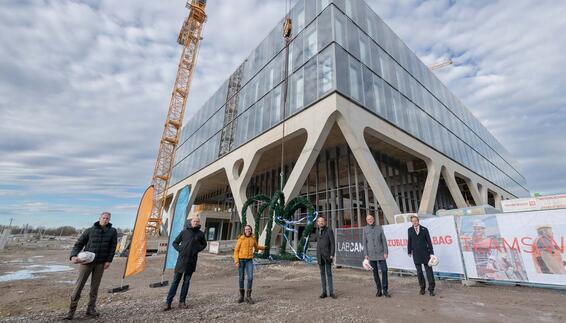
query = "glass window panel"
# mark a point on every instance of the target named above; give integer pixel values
(376, 59)
(389, 105)
(310, 92)
(299, 17)
(276, 106)
(297, 53)
(402, 114)
(340, 28)
(365, 49)
(355, 80)
(321, 4)
(396, 107)
(324, 28)
(369, 95)
(353, 39)
(297, 94)
(342, 75)
(325, 71)
(310, 41)
(310, 10)
(379, 95)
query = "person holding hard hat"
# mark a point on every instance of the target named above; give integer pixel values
(419, 246)
(375, 251)
(94, 251)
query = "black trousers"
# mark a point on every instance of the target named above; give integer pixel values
(429, 276)
(383, 267)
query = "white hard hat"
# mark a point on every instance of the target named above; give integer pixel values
(86, 257)
(433, 261)
(479, 223)
(366, 265)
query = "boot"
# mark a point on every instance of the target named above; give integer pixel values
(242, 293)
(249, 299)
(71, 314)
(167, 307)
(91, 311)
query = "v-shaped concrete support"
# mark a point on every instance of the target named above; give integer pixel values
(430, 189)
(352, 126)
(450, 181)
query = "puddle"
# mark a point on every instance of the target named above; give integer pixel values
(32, 272)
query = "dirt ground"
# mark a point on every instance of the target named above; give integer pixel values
(284, 292)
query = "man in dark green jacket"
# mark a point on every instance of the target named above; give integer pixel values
(100, 239)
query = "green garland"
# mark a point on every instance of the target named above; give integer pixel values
(277, 206)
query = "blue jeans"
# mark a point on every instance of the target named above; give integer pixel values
(184, 288)
(247, 266)
(383, 267)
(326, 275)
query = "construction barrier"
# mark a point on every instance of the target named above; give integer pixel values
(526, 247)
(349, 246)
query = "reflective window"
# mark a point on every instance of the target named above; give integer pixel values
(355, 80)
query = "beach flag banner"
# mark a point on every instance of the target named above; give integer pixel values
(179, 217)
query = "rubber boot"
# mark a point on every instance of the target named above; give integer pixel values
(242, 293)
(249, 299)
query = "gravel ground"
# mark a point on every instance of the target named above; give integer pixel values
(284, 292)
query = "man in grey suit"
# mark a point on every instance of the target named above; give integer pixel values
(375, 250)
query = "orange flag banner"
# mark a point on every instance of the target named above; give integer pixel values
(136, 258)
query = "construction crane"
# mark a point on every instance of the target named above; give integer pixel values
(189, 38)
(440, 64)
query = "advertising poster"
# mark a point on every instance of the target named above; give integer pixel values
(521, 247)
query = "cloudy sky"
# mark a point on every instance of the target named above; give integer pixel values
(84, 88)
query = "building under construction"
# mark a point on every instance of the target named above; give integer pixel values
(351, 118)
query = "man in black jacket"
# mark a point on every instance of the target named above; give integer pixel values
(188, 243)
(325, 255)
(419, 246)
(100, 239)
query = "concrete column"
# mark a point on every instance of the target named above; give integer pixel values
(239, 182)
(316, 137)
(355, 139)
(453, 188)
(473, 187)
(428, 198)
(497, 198)
(483, 194)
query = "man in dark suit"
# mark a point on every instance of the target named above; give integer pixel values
(324, 256)
(419, 246)
(188, 243)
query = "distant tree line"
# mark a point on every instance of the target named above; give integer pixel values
(63, 231)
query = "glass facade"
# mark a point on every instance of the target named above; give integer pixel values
(343, 46)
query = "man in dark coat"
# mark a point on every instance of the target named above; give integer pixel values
(375, 250)
(100, 239)
(325, 255)
(419, 246)
(188, 243)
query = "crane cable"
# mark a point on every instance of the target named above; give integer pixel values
(287, 39)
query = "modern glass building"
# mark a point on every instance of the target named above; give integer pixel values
(341, 48)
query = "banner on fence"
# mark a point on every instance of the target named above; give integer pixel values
(349, 245)
(521, 247)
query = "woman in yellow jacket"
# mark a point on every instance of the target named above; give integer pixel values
(243, 258)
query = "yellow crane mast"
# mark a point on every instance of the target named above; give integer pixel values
(189, 37)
